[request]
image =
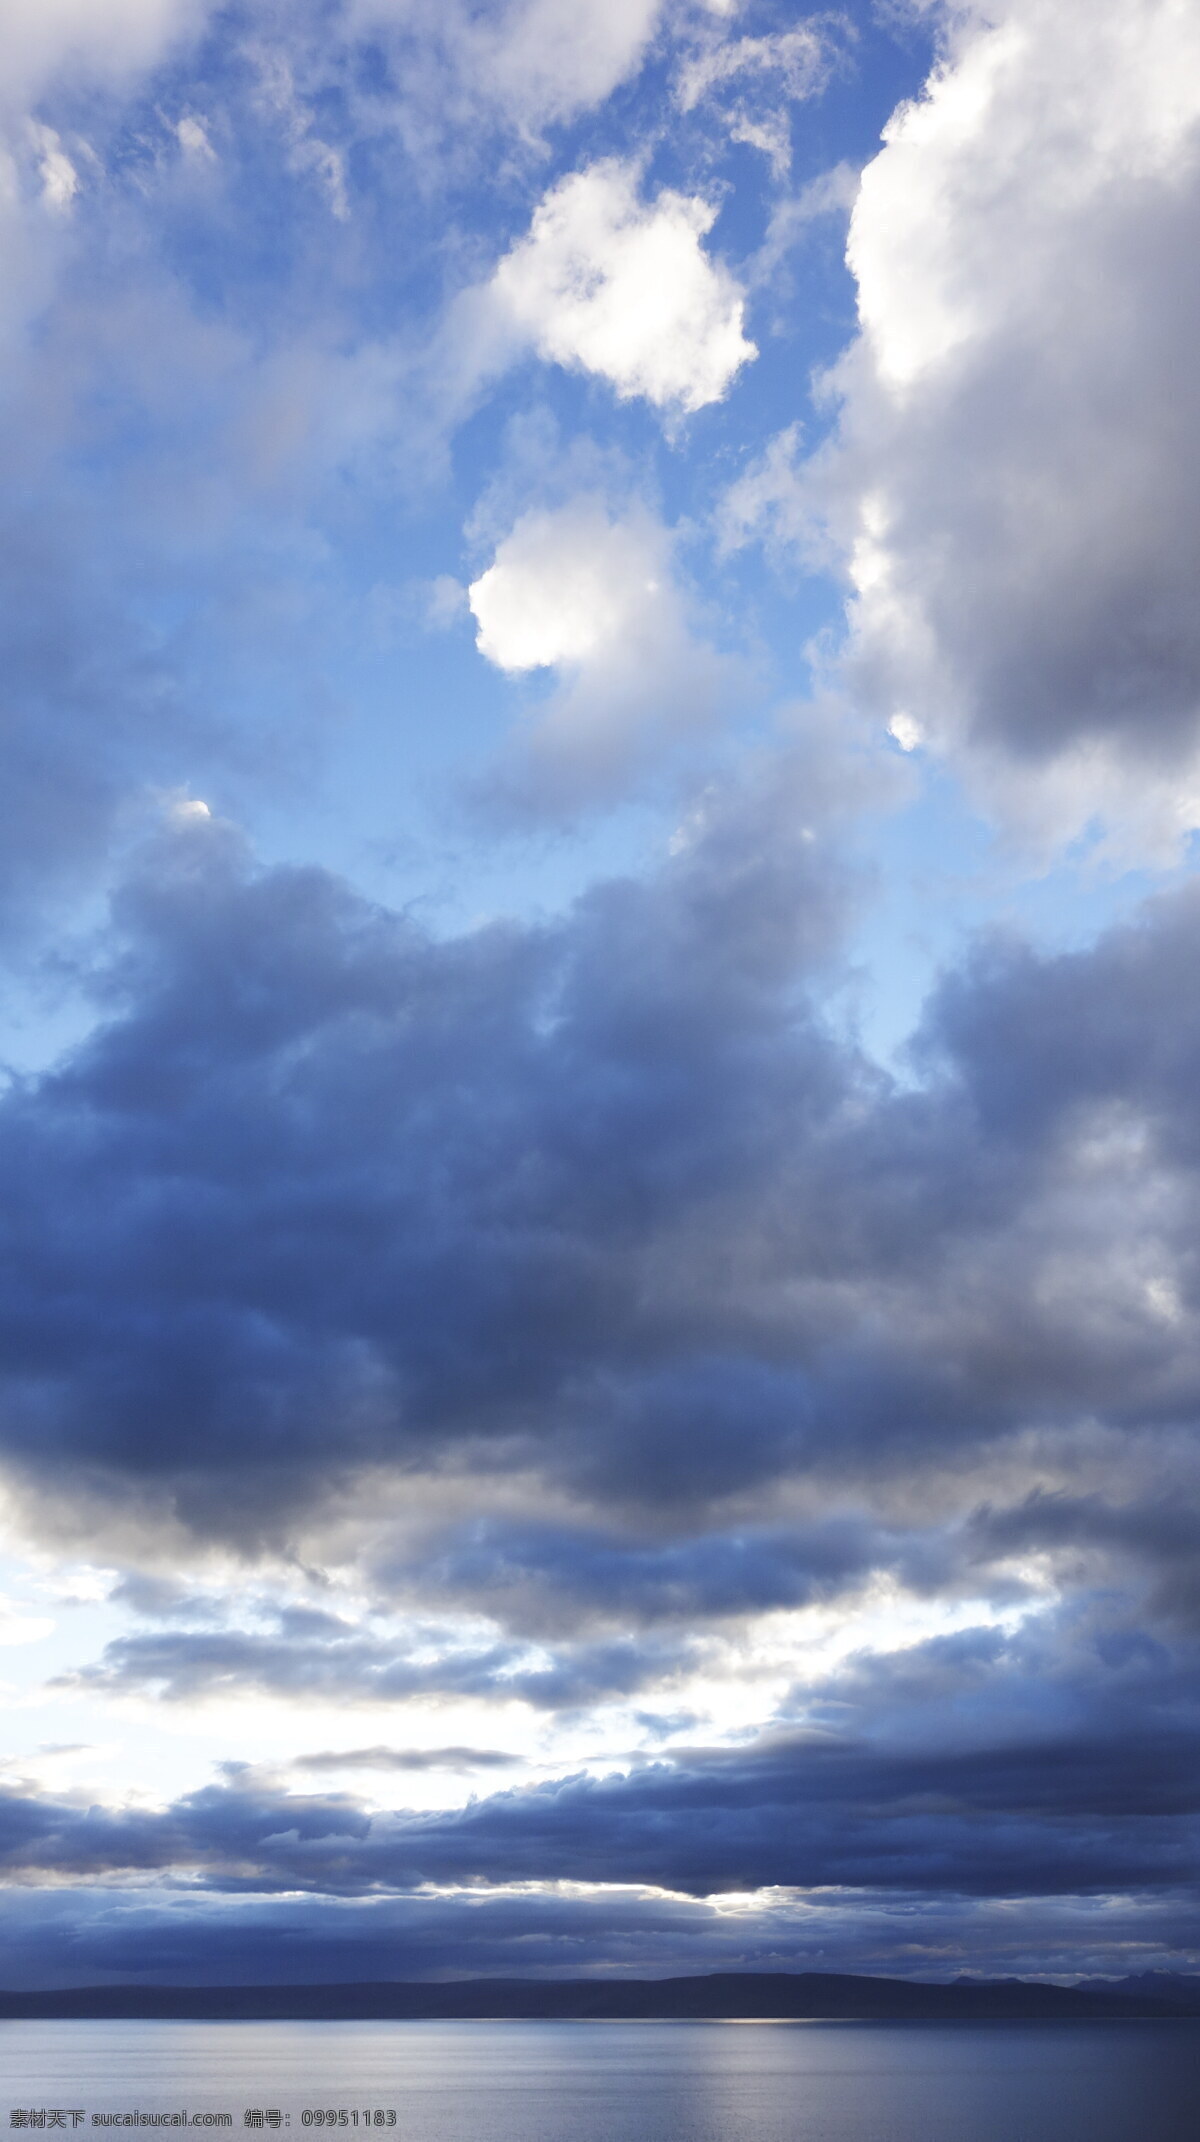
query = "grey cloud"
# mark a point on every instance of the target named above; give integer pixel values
(71, 1936)
(91, 708)
(1159, 1538)
(329, 1661)
(1061, 1758)
(160, 1598)
(607, 1198)
(543, 1577)
(405, 1759)
(1017, 444)
(325, 1171)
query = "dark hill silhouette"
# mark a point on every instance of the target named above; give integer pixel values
(1175, 1986)
(771, 1996)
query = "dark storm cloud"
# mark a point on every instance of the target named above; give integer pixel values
(328, 1192)
(1158, 1538)
(1039, 1039)
(542, 1576)
(609, 1196)
(605, 1197)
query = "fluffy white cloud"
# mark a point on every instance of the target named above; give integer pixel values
(593, 596)
(608, 284)
(574, 587)
(1014, 480)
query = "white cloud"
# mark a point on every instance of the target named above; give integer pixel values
(60, 180)
(1047, 116)
(608, 284)
(192, 136)
(1014, 481)
(550, 58)
(107, 39)
(307, 152)
(19, 1627)
(753, 80)
(905, 730)
(538, 61)
(593, 596)
(444, 602)
(798, 57)
(79, 42)
(570, 588)
(767, 500)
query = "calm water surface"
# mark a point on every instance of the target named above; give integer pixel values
(628, 2082)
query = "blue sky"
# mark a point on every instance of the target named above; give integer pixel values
(598, 1156)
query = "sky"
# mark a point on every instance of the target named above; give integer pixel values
(600, 1105)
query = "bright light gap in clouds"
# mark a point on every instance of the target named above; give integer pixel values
(598, 1143)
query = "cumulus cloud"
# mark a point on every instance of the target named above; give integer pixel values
(594, 596)
(620, 288)
(325, 1194)
(1013, 481)
(387, 1028)
(567, 588)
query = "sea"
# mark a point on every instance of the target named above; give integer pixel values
(608, 2081)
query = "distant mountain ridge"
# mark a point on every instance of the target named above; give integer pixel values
(727, 1995)
(1158, 1985)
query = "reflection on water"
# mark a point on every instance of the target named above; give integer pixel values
(629, 2082)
